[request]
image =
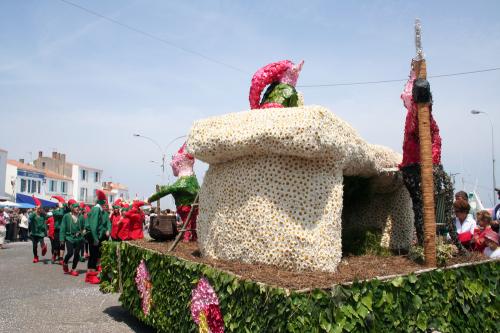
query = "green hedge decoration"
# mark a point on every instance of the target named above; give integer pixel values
(463, 299)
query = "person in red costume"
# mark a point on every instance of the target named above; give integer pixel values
(115, 218)
(418, 91)
(136, 216)
(124, 230)
(51, 234)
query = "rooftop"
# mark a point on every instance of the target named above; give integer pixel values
(24, 166)
(50, 174)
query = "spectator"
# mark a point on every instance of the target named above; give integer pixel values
(6, 217)
(23, 227)
(464, 223)
(492, 250)
(461, 195)
(3, 230)
(13, 228)
(496, 210)
(484, 220)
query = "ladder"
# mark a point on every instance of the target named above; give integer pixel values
(183, 229)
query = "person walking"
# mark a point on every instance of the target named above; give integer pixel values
(38, 229)
(71, 233)
(96, 227)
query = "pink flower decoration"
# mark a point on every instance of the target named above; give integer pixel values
(205, 303)
(282, 71)
(144, 286)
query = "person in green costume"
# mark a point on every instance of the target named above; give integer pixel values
(184, 190)
(71, 233)
(38, 229)
(63, 208)
(96, 228)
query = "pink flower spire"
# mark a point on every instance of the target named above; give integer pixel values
(283, 71)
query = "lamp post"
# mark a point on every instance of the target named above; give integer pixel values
(475, 112)
(161, 150)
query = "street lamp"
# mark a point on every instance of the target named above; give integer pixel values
(475, 112)
(161, 150)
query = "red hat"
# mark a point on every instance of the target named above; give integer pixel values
(87, 209)
(58, 198)
(101, 197)
(82, 204)
(71, 202)
(138, 204)
(125, 205)
(182, 151)
(38, 203)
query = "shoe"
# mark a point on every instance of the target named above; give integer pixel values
(44, 249)
(54, 259)
(61, 262)
(92, 278)
(65, 268)
(73, 273)
(35, 260)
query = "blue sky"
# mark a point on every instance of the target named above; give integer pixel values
(82, 85)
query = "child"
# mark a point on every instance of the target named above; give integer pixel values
(484, 219)
(71, 233)
(492, 250)
(38, 229)
(54, 248)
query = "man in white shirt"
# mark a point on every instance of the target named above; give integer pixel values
(464, 223)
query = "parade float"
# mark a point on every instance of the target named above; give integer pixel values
(289, 188)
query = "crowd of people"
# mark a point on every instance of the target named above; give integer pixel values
(75, 231)
(476, 233)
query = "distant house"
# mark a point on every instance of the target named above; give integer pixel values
(115, 191)
(85, 179)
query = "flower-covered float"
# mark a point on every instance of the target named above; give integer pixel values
(284, 185)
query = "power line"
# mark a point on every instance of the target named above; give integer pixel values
(394, 80)
(221, 63)
(147, 34)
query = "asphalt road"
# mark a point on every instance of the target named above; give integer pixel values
(40, 298)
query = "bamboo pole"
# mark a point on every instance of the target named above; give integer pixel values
(183, 229)
(426, 173)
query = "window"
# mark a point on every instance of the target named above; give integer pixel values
(83, 194)
(43, 165)
(33, 186)
(39, 186)
(84, 174)
(23, 185)
(63, 187)
(52, 186)
(96, 177)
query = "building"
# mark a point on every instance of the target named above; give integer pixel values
(85, 181)
(56, 184)
(115, 191)
(3, 172)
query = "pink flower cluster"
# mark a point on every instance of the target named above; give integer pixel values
(411, 143)
(144, 286)
(282, 71)
(205, 306)
(182, 163)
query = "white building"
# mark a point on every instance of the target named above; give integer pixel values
(85, 181)
(56, 184)
(3, 172)
(115, 191)
(24, 179)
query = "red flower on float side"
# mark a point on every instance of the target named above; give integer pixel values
(205, 307)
